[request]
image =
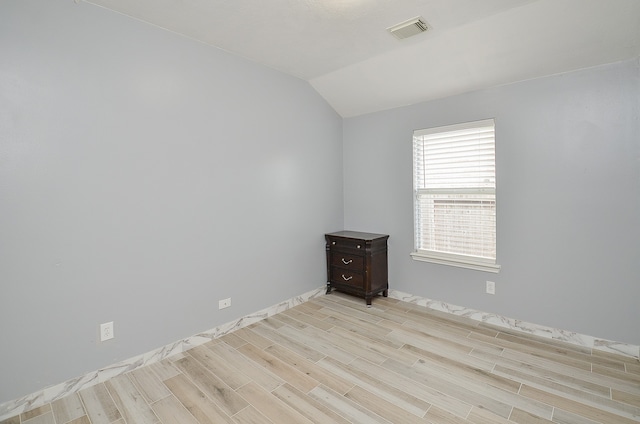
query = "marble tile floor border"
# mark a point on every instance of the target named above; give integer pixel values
(521, 326)
(50, 394)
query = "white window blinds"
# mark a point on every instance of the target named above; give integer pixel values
(455, 194)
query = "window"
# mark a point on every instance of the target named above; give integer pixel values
(454, 176)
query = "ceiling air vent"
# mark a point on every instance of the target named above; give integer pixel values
(409, 28)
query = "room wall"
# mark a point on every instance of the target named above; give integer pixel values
(568, 193)
(143, 177)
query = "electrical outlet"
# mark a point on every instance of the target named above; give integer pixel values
(224, 303)
(491, 287)
(106, 331)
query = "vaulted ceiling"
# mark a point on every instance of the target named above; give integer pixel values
(343, 48)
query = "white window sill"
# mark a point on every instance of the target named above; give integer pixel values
(461, 262)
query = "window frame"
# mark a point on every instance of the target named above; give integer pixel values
(446, 258)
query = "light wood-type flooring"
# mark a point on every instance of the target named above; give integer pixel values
(332, 360)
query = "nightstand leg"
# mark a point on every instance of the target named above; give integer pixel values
(328, 288)
(385, 293)
(368, 299)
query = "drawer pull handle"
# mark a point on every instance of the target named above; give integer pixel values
(345, 278)
(358, 246)
(347, 262)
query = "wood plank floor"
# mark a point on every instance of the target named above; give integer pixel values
(332, 360)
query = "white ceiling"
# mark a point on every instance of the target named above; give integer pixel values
(343, 49)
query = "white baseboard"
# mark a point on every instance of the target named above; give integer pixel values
(521, 326)
(50, 394)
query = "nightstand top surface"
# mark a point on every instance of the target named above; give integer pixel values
(357, 235)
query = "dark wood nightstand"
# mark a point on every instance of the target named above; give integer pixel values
(357, 263)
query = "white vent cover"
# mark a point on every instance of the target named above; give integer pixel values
(409, 28)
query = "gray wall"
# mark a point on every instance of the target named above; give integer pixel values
(568, 190)
(143, 177)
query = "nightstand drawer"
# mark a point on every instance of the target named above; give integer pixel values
(353, 246)
(347, 261)
(343, 276)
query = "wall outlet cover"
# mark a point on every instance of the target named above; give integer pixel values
(491, 287)
(106, 331)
